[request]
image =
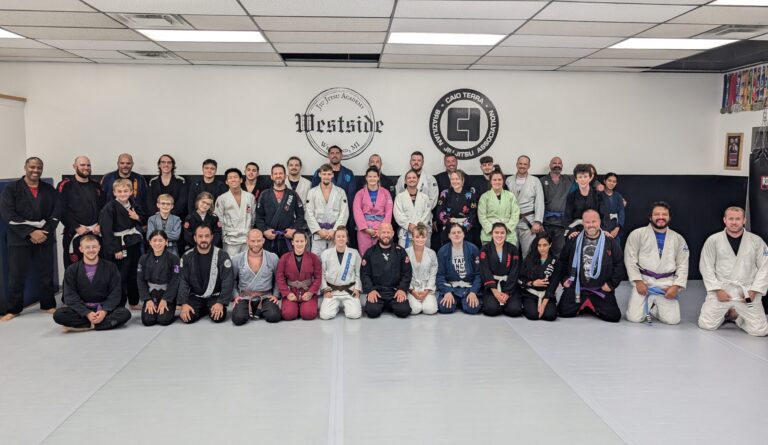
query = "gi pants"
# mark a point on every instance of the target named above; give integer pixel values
(330, 306)
(66, 316)
(751, 320)
(20, 260)
(202, 307)
(260, 307)
(513, 307)
(291, 310)
(605, 309)
(661, 308)
(460, 300)
(387, 302)
(128, 267)
(531, 308)
(427, 306)
(163, 319)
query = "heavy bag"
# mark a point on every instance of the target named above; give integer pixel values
(758, 191)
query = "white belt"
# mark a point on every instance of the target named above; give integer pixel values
(499, 279)
(123, 233)
(539, 293)
(154, 286)
(36, 224)
(462, 284)
(613, 216)
(576, 222)
(458, 220)
(738, 285)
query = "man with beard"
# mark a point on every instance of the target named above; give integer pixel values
(656, 258)
(483, 183)
(386, 275)
(208, 183)
(530, 199)
(207, 280)
(139, 187)
(734, 268)
(384, 181)
(295, 181)
(91, 292)
(344, 179)
(451, 163)
(255, 287)
(326, 209)
(236, 211)
(592, 269)
(555, 186)
(81, 201)
(279, 213)
(32, 210)
(427, 183)
(167, 183)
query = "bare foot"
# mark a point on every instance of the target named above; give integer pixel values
(49, 311)
(67, 329)
(731, 315)
(8, 317)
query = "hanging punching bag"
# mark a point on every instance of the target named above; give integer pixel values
(758, 185)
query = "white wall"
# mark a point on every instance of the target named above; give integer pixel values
(629, 123)
(13, 137)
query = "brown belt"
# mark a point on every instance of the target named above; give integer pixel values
(523, 217)
(349, 288)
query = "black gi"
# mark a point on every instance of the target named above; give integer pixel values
(279, 216)
(83, 296)
(481, 185)
(193, 220)
(196, 272)
(576, 204)
(508, 267)
(215, 188)
(81, 203)
(457, 205)
(153, 273)
(612, 272)
(386, 271)
(177, 187)
(534, 269)
(18, 205)
(114, 219)
(555, 196)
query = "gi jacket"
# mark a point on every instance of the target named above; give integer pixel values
(18, 205)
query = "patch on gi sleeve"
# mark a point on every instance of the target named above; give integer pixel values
(175, 269)
(685, 248)
(186, 224)
(138, 268)
(364, 262)
(227, 263)
(407, 260)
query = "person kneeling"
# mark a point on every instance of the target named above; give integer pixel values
(538, 279)
(207, 280)
(499, 267)
(299, 275)
(341, 278)
(158, 280)
(421, 295)
(255, 292)
(92, 293)
(458, 274)
(386, 273)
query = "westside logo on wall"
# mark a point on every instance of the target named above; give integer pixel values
(464, 123)
(339, 116)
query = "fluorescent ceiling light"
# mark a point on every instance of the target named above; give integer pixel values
(640, 43)
(739, 3)
(9, 35)
(167, 35)
(437, 38)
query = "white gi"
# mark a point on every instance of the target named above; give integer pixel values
(341, 274)
(302, 188)
(407, 212)
(736, 275)
(423, 278)
(530, 200)
(236, 220)
(320, 214)
(427, 185)
(641, 257)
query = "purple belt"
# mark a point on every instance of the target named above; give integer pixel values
(96, 307)
(326, 226)
(652, 274)
(281, 234)
(593, 290)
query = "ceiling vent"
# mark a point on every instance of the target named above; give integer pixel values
(151, 21)
(152, 55)
(330, 57)
(735, 32)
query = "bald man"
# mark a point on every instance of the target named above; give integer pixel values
(81, 201)
(555, 186)
(386, 275)
(139, 187)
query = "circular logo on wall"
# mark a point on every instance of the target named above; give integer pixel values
(464, 123)
(342, 117)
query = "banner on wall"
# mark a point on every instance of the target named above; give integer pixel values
(464, 123)
(339, 116)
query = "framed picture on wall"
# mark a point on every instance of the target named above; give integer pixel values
(733, 142)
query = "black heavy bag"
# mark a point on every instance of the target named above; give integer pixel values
(758, 191)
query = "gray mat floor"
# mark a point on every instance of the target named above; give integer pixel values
(452, 379)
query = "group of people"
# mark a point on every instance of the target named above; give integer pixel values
(292, 248)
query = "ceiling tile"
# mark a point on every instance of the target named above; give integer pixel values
(142, 61)
(675, 31)
(21, 43)
(423, 66)
(210, 7)
(465, 50)
(522, 51)
(240, 47)
(325, 37)
(468, 26)
(131, 45)
(611, 12)
(532, 61)
(671, 54)
(34, 32)
(594, 29)
(221, 22)
(513, 67)
(237, 63)
(726, 15)
(559, 41)
(412, 58)
(334, 64)
(361, 48)
(45, 59)
(327, 8)
(634, 63)
(322, 24)
(654, 2)
(45, 5)
(61, 19)
(215, 56)
(472, 9)
(33, 52)
(601, 69)
(99, 54)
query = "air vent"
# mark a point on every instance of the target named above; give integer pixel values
(735, 31)
(151, 21)
(330, 57)
(152, 55)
